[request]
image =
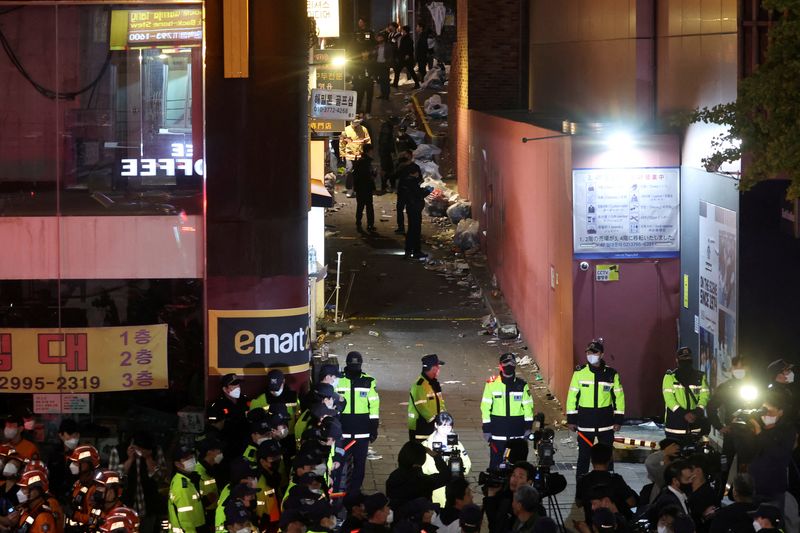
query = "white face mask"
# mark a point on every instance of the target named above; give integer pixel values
(769, 420)
(243, 530)
(74, 469)
(739, 373)
(21, 496)
(277, 393)
(790, 377)
(281, 433)
(189, 465)
(320, 470)
(218, 458)
(661, 528)
(10, 433)
(444, 429)
(10, 470)
(71, 444)
(756, 525)
(593, 359)
(235, 393)
(390, 517)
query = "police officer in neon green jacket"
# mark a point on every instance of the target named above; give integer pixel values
(595, 404)
(185, 507)
(506, 410)
(425, 399)
(359, 417)
(686, 395)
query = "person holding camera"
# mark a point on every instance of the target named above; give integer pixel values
(686, 394)
(408, 482)
(595, 404)
(445, 443)
(506, 409)
(729, 401)
(498, 499)
(774, 441)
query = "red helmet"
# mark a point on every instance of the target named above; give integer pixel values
(85, 452)
(119, 520)
(36, 464)
(34, 478)
(107, 478)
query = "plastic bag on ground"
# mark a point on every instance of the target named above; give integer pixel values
(459, 211)
(435, 108)
(426, 152)
(466, 236)
(436, 203)
(429, 169)
(434, 79)
(418, 136)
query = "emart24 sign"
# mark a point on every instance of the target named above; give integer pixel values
(248, 342)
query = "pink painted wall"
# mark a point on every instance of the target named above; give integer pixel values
(527, 189)
(637, 315)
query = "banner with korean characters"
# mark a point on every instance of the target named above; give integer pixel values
(80, 360)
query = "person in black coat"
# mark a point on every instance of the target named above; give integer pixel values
(364, 186)
(415, 203)
(407, 482)
(405, 56)
(774, 441)
(734, 518)
(386, 153)
(363, 76)
(677, 479)
(421, 50)
(383, 57)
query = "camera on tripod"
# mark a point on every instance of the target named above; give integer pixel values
(451, 454)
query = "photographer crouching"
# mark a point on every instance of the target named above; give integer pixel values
(499, 495)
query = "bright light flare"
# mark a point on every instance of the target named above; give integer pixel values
(748, 393)
(338, 61)
(619, 141)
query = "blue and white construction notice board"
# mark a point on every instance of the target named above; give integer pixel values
(626, 212)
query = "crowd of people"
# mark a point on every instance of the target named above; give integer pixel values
(376, 55)
(295, 462)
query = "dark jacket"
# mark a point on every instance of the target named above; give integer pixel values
(408, 482)
(362, 73)
(386, 140)
(769, 467)
(421, 46)
(666, 499)
(363, 181)
(408, 186)
(734, 519)
(405, 48)
(499, 514)
(620, 492)
(389, 53)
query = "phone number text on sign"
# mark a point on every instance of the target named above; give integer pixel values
(83, 359)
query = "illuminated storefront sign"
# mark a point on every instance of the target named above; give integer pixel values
(333, 104)
(78, 360)
(156, 27)
(248, 342)
(180, 164)
(326, 14)
(328, 75)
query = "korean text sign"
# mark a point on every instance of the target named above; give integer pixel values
(70, 360)
(626, 212)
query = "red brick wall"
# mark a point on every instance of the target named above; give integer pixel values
(486, 72)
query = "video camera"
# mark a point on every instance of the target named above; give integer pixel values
(451, 454)
(743, 416)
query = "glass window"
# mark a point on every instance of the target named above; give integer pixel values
(102, 110)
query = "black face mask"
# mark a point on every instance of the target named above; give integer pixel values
(353, 369)
(685, 363)
(508, 371)
(686, 488)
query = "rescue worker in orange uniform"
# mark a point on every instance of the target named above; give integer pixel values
(37, 512)
(106, 497)
(83, 462)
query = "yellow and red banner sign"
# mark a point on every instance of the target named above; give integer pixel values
(74, 360)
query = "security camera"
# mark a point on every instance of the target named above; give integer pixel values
(584, 266)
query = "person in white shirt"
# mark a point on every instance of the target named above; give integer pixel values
(438, 442)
